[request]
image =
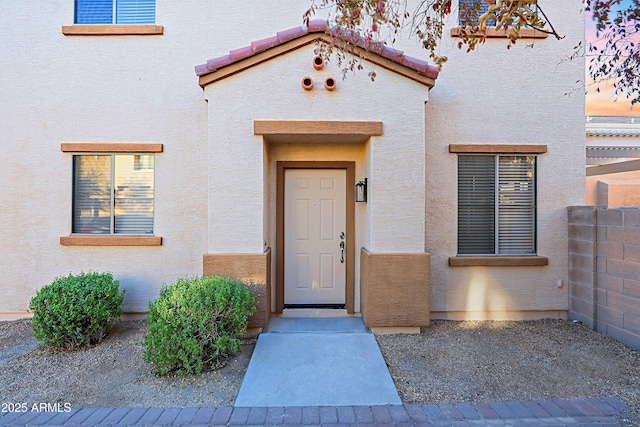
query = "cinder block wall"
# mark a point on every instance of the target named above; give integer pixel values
(604, 271)
(582, 265)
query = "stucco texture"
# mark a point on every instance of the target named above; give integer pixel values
(393, 162)
(496, 95)
(215, 179)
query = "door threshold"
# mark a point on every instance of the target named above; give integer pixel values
(316, 312)
(316, 306)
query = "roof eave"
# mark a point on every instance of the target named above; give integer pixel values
(414, 70)
(264, 56)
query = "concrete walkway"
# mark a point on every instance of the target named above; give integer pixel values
(577, 412)
(317, 362)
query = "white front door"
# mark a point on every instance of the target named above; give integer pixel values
(314, 237)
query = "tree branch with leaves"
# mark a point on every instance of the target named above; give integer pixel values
(380, 21)
(615, 57)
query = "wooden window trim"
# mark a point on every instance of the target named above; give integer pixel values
(91, 147)
(110, 240)
(316, 127)
(498, 148)
(112, 30)
(498, 261)
(493, 33)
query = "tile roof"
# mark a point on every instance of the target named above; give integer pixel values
(613, 132)
(614, 128)
(323, 31)
(613, 152)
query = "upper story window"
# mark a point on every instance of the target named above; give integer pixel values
(123, 12)
(113, 194)
(470, 10)
(496, 205)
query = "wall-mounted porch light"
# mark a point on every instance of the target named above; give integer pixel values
(361, 191)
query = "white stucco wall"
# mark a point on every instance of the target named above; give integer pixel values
(98, 89)
(272, 91)
(499, 96)
(393, 218)
(60, 88)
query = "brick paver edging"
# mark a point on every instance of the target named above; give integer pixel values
(585, 412)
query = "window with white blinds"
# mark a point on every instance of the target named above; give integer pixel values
(132, 12)
(496, 205)
(112, 195)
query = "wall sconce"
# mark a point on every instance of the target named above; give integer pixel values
(361, 191)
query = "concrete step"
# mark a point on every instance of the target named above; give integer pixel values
(316, 325)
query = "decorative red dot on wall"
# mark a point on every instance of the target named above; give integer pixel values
(318, 62)
(307, 83)
(329, 83)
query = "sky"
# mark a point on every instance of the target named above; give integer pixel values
(605, 103)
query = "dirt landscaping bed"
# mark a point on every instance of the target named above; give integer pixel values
(510, 361)
(447, 362)
(110, 374)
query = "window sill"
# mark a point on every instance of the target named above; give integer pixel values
(93, 240)
(498, 261)
(525, 33)
(112, 30)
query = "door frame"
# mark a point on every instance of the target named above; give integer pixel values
(350, 168)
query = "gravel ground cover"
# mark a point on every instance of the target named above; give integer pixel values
(510, 361)
(447, 362)
(110, 374)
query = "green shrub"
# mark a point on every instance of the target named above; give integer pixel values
(76, 311)
(196, 323)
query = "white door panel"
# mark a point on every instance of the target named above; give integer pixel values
(314, 218)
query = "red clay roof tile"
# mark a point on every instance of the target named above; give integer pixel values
(416, 64)
(291, 33)
(317, 26)
(219, 62)
(264, 44)
(241, 53)
(391, 53)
